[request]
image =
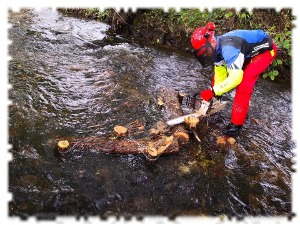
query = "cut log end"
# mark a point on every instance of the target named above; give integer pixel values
(182, 137)
(181, 96)
(63, 146)
(158, 147)
(154, 132)
(160, 103)
(120, 131)
(192, 121)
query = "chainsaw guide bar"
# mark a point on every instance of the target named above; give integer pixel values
(206, 109)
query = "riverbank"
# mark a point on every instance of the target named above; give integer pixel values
(137, 25)
(174, 29)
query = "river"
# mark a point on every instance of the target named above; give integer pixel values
(73, 77)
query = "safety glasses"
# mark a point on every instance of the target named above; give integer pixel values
(203, 58)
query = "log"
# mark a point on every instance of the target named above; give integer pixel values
(158, 147)
(160, 103)
(182, 136)
(172, 109)
(120, 131)
(181, 96)
(163, 143)
(192, 121)
(117, 146)
(63, 145)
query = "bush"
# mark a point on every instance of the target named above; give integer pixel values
(177, 16)
(283, 43)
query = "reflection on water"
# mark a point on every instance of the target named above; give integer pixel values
(71, 78)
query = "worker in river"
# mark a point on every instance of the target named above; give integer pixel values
(239, 57)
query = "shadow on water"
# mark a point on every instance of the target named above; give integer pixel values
(70, 78)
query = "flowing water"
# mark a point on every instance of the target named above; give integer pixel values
(72, 77)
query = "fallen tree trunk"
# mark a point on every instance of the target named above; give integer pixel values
(118, 146)
(152, 146)
(172, 109)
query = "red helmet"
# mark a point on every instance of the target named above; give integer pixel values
(201, 36)
(210, 26)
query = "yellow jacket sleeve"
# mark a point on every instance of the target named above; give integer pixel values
(220, 74)
(234, 79)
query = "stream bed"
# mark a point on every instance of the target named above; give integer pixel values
(73, 77)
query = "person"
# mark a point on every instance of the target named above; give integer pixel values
(239, 57)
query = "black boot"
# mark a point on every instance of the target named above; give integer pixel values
(232, 129)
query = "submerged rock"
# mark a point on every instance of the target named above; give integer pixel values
(184, 169)
(75, 68)
(28, 180)
(226, 141)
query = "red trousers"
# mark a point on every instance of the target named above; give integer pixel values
(256, 66)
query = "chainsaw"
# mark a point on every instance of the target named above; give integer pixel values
(200, 107)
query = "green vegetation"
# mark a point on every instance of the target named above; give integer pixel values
(183, 22)
(89, 8)
(288, 58)
(179, 26)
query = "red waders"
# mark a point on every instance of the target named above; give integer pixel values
(256, 66)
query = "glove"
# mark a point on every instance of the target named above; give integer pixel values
(219, 98)
(207, 94)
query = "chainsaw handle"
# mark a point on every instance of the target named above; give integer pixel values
(190, 99)
(211, 101)
(197, 93)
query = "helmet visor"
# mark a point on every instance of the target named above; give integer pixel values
(202, 56)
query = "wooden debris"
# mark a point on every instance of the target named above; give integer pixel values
(135, 128)
(118, 146)
(221, 140)
(172, 109)
(167, 138)
(154, 132)
(120, 131)
(63, 146)
(181, 96)
(159, 128)
(226, 141)
(160, 103)
(152, 151)
(158, 147)
(196, 135)
(231, 141)
(183, 137)
(192, 121)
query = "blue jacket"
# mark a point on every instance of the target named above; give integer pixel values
(241, 44)
(231, 51)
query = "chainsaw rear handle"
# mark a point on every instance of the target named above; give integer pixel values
(191, 100)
